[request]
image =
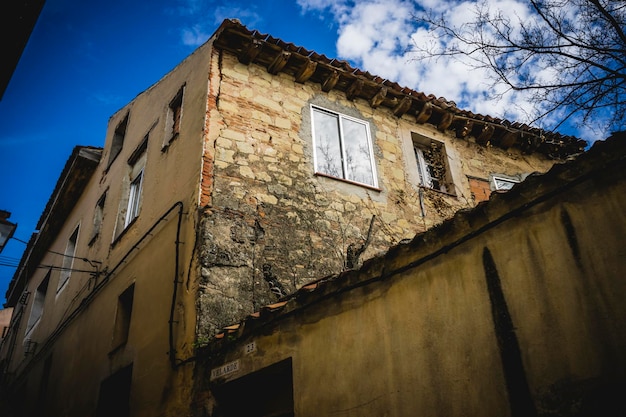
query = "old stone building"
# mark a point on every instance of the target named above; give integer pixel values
(251, 170)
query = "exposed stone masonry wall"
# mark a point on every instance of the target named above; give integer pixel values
(268, 207)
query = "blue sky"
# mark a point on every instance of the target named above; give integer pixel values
(84, 61)
(87, 59)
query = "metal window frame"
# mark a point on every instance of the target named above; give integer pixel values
(340, 117)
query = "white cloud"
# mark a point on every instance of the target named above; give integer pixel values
(197, 34)
(336, 7)
(376, 35)
(194, 36)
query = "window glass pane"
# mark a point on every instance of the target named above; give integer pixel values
(37, 309)
(503, 184)
(68, 260)
(327, 147)
(134, 199)
(423, 168)
(358, 156)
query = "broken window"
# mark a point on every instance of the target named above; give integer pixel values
(432, 164)
(118, 139)
(68, 260)
(98, 216)
(343, 147)
(174, 117)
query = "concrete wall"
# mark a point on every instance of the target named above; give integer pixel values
(513, 309)
(265, 205)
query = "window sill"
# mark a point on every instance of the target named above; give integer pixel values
(358, 184)
(423, 187)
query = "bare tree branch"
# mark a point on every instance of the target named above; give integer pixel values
(568, 55)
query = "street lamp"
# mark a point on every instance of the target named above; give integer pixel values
(6, 228)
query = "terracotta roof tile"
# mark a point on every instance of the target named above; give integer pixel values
(234, 37)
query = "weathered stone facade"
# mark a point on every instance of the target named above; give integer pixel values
(266, 205)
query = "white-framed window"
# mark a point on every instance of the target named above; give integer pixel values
(134, 198)
(432, 164)
(130, 204)
(68, 260)
(36, 311)
(343, 147)
(503, 182)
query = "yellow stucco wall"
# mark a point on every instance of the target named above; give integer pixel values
(413, 333)
(81, 350)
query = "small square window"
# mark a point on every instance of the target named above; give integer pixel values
(432, 164)
(343, 147)
(502, 182)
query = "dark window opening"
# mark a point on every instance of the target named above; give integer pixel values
(267, 392)
(98, 216)
(114, 397)
(174, 116)
(122, 317)
(432, 164)
(118, 140)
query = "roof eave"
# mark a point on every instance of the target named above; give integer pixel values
(304, 65)
(71, 183)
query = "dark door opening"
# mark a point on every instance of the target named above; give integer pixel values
(114, 398)
(265, 393)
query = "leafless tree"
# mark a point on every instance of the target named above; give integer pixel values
(568, 56)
